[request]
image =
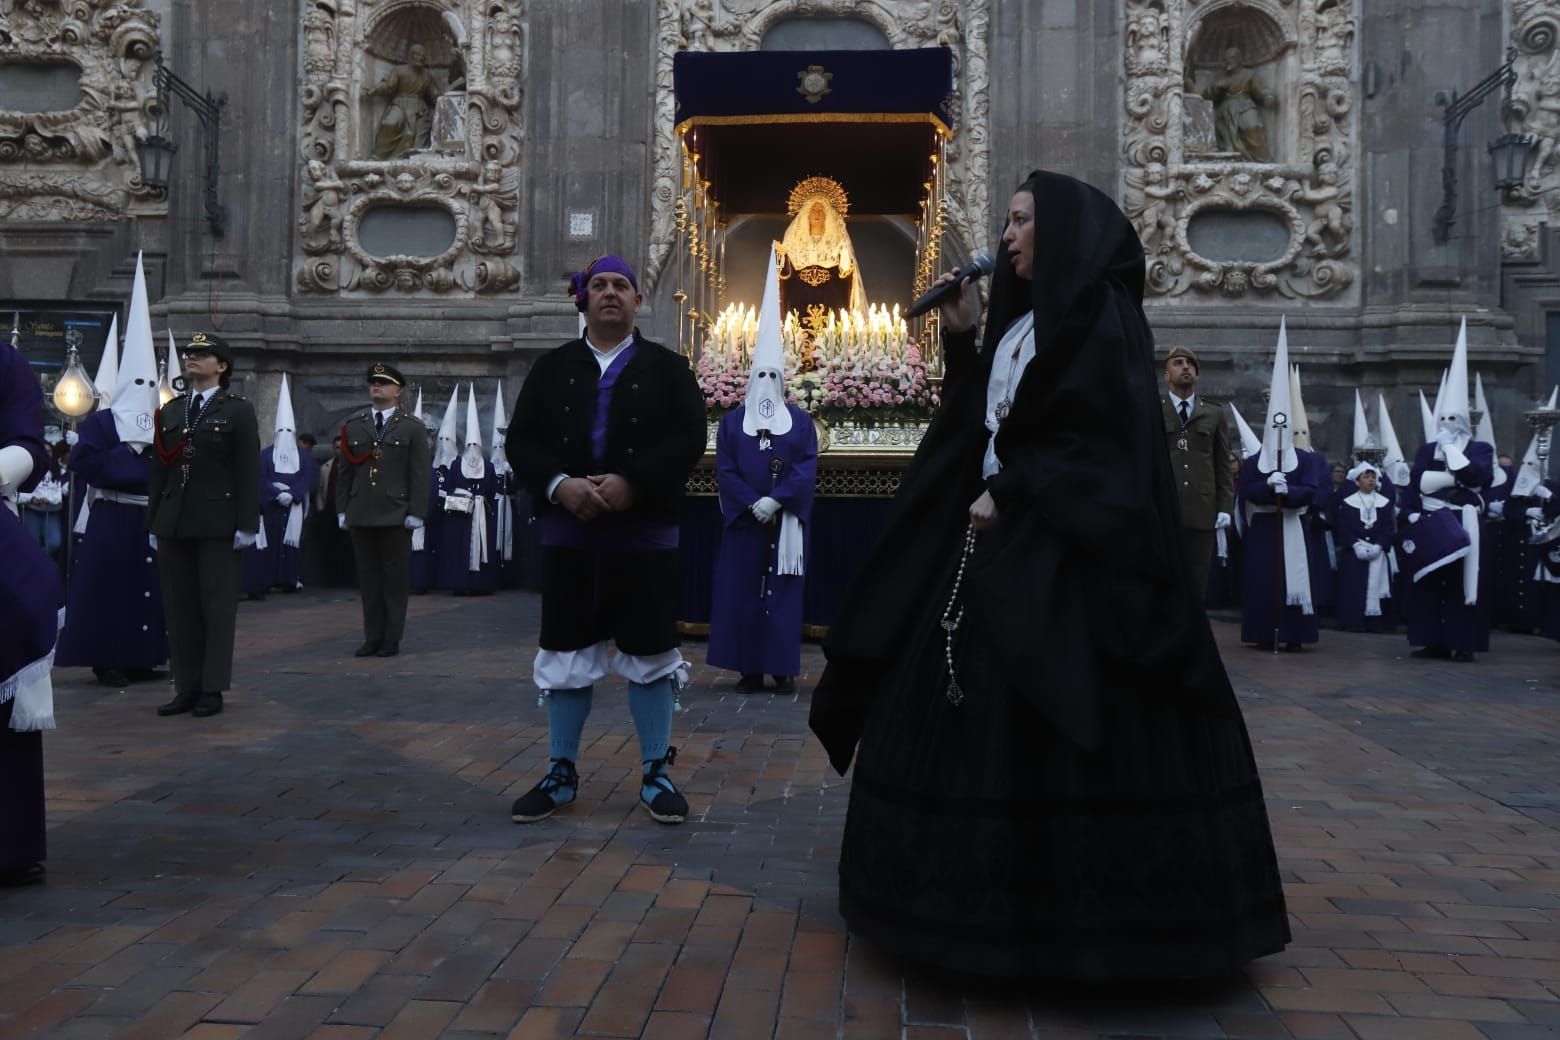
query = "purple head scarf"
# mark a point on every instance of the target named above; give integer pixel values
(610, 263)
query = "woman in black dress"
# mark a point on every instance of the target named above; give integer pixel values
(1052, 773)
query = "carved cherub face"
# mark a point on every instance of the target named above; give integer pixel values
(1154, 173)
(405, 181)
(492, 172)
(1327, 173)
(316, 170)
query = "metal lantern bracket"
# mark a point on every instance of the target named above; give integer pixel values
(208, 109)
(1454, 109)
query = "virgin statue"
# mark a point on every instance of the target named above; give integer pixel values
(818, 272)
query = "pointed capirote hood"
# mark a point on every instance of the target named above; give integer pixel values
(447, 449)
(1302, 418)
(1278, 445)
(472, 464)
(108, 365)
(1485, 430)
(1530, 474)
(1394, 464)
(500, 430)
(417, 410)
(135, 395)
(1362, 437)
(284, 449)
(1250, 443)
(1453, 401)
(1427, 417)
(765, 405)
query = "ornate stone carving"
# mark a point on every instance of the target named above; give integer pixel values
(1241, 110)
(455, 145)
(80, 163)
(739, 25)
(1535, 30)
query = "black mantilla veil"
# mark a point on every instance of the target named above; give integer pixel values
(1077, 596)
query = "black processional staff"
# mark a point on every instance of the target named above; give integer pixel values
(1280, 423)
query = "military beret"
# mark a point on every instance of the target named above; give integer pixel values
(212, 343)
(1186, 353)
(381, 370)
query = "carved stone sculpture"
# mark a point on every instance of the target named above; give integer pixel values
(457, 148)
(1263, 138)
(80, 163)
(1535, 110)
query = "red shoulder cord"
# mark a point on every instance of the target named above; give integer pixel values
(346, 451)
(167, 456)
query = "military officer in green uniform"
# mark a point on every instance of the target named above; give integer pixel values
(383, 471)
(1200, 460)
(203, 509)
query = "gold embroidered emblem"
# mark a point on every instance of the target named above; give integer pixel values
(814, 276)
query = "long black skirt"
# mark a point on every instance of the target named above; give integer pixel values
(980, 841)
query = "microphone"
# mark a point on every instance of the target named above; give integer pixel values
(980, 265)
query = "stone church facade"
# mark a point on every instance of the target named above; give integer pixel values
(415, 179)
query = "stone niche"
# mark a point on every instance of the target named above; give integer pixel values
(1239, 146)
(410, 150)
(75, 97)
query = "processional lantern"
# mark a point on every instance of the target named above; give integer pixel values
(74, 394)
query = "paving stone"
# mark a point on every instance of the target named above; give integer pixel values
(332, 857)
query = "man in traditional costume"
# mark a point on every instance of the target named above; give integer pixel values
(1052, 776)
(1439, 547)
(114, 620)
(204, 510)
(766, 465)
(1278, 487)
(30, 600)
(1366, 522)
(382, 492)
(818, 271)
(466, 562)
(606, 430)
(286, 476)
(1199, 454)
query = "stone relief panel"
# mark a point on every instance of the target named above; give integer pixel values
(1535, 109)
(411, 141)
(75, 96)
(739, 25)
(1239, 146)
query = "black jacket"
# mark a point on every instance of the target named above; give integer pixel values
(223, 492)
(655, 430)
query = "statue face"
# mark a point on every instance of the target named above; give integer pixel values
(418, 56)
(815, 218)
(1232, 59)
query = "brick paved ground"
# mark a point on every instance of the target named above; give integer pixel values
(333, 858)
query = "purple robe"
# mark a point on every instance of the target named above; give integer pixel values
(1349, 527)
(114, 615)
(452, 564)
(756, 614)
(1260, 564)
(422, 565)
(1437, 612)
(276, 566)
(30, 600)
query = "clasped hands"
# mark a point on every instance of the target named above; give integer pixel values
(590, 497)
(765, 509)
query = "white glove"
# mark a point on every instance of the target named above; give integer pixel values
(71, 437)
(462, 491)
(1444, 436)
(16, 465)
(1278, 483)
(1455, 459)
(1542, 493)
(1362, 551)
(1221, 521)
(244, 539)
(284, 499)
(413, 522)
(765, 509)
(1535, 513)
(278, 485)
(1435, 480)
(1497, 509)
(1413, 518)
(151, 540)
(341, 521)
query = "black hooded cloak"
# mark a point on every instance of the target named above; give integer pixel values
(1092, 808)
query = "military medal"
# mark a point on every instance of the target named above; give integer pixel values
(1181, 443)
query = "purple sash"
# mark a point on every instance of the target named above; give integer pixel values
(609, 378)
